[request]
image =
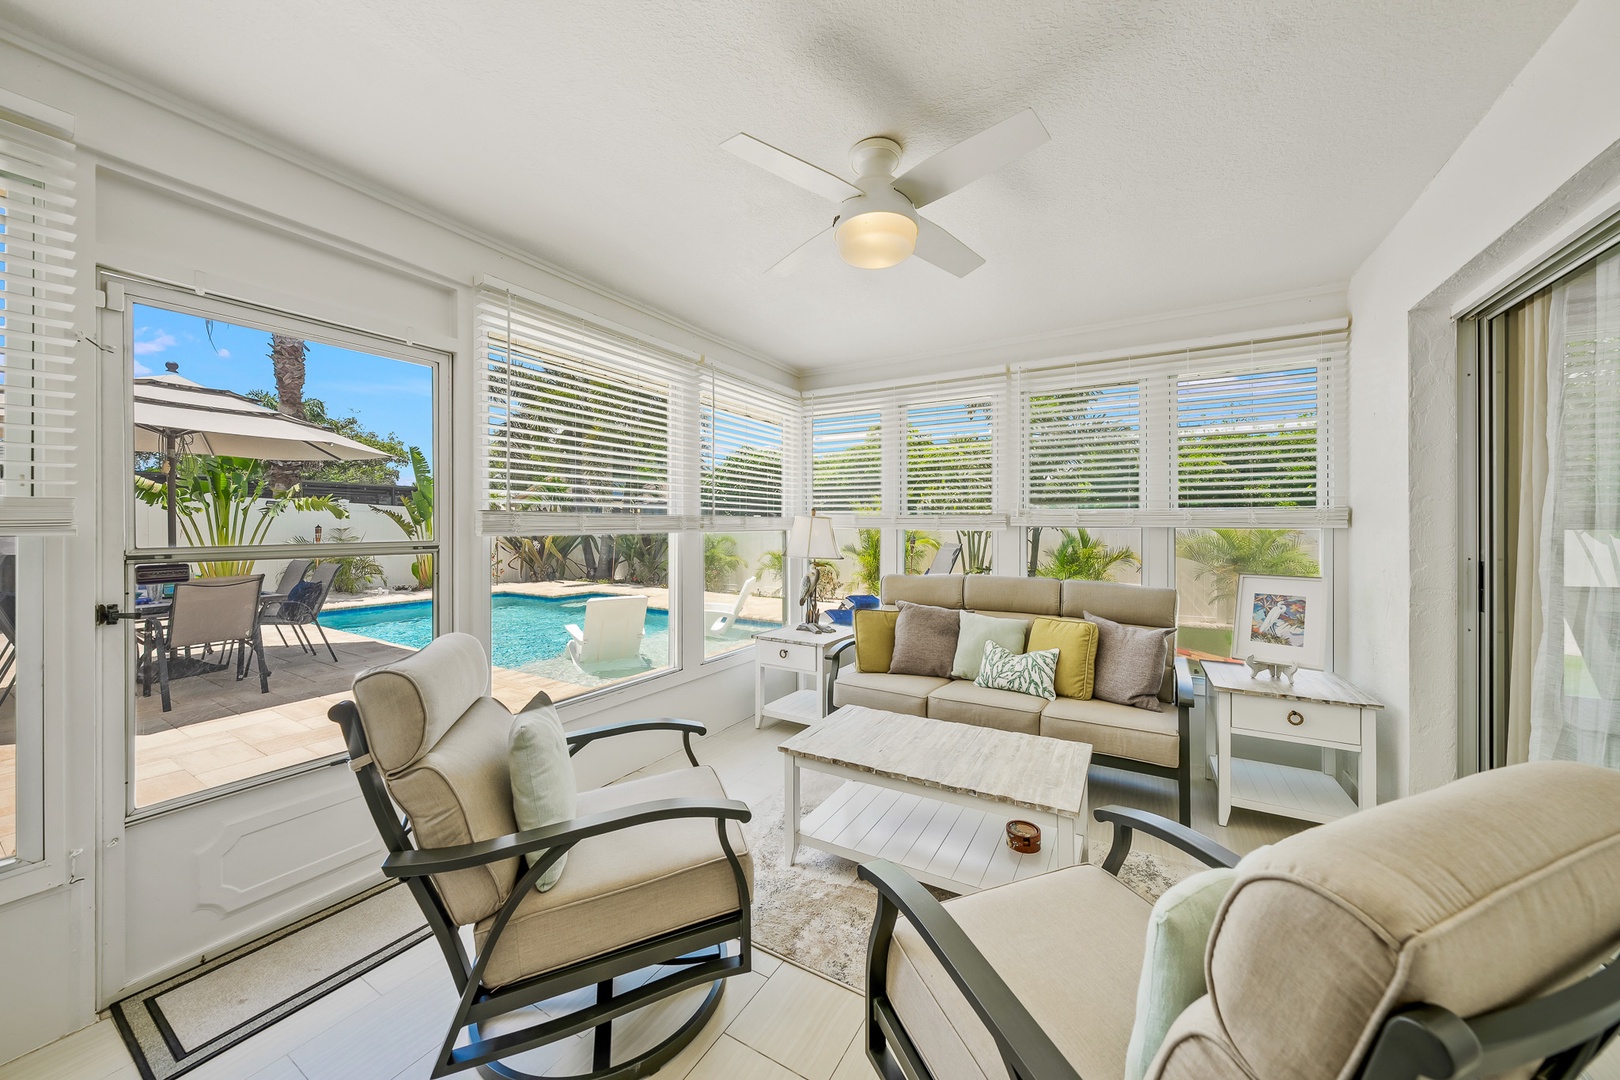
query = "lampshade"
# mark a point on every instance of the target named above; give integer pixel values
(877, 239)
(811, 537)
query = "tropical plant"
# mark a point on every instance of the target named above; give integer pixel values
(215, 500)
(975, 550)
(867, 551)
(772, 564)
(372, 471)
(415, 518)
(918, 545)
(1223, 555)
(1078, 554)
(537, 558)
(720, 561)
(355, 573)
(645, 557)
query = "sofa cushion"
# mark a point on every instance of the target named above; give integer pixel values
(626, 886)
(975, 631)
(543, 788)
(874, 638)
(1115, 730)
(1139, 605)
(1077, 981)
(1076, 642)
(1475, 895)
(1025, 673)
(1003, 592)
(1173, 960)
(1130, 662)
(924, 640)
(966, 703)
(938, 590)
(879, 690)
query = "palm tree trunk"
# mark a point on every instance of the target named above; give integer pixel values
(287, 363)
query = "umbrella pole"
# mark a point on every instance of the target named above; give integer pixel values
(169, 485)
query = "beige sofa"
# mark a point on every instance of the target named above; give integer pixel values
(1121, 736)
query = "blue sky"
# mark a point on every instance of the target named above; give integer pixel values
(387, 395)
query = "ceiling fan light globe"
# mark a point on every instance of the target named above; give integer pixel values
(876, 240)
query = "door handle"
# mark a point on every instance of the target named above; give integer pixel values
(109, 615)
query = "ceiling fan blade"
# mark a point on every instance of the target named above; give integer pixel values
(793, 258)
(790, 168)
(971, 158)
(945, 251)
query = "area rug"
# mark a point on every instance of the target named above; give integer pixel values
(175, 1026)
(817, 913)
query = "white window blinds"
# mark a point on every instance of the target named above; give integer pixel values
(745, 433)
(578, 424)
(37, 296)
(1247, 439)
(949, 458)
(846, 460)
(1083, 448)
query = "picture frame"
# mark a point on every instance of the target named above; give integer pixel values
(1282, 620)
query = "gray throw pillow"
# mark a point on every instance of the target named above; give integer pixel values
(925, 640)
(1130, 662)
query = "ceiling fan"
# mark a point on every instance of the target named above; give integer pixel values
(877, 224)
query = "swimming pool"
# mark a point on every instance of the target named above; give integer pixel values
(527, 631)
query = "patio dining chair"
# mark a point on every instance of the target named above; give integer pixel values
(301, 608)
(213, 611)
(728, 615)
(614, 626)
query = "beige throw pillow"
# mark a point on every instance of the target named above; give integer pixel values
(924, 640)
(1130, 662)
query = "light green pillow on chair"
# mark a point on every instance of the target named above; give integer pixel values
(977, 629)
(1173, 962)
(543, 786)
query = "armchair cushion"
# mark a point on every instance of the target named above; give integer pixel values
(1075, 971)
(406, 706)
(1173, 961)
(624, 887)
(543, 787)
(975, 631)
(1130, 662)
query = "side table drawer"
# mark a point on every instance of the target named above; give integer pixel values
(788, 654)
(1302, 719)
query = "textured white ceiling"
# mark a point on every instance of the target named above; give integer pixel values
(1203, 151)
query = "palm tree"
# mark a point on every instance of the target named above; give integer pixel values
(1078, 554)
(867, 553)
(1223, 555)
(720, 561)
(287, 363)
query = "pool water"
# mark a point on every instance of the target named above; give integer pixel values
(528, 631)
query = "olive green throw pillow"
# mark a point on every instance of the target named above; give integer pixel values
(1076, 643)
(874, 639)
(975, 631)
(543, 787)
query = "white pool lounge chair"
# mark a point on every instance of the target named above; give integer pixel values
(614, 626)
(729, 614)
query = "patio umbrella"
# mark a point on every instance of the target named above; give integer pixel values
(173, 413)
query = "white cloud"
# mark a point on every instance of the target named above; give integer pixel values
(141, 370)
(156, 345)
(224, 354)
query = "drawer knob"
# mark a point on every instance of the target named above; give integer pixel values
(782, 653)
(1296, 717)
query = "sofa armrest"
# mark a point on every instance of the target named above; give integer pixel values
(1184, 684)
(1127, 821)
(1025, 1048)
(835, 658)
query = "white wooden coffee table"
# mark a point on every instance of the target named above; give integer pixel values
(935, 797)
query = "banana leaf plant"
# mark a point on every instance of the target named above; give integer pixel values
(415, 518)
(218, 504)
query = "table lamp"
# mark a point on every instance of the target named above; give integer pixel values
(811, 537)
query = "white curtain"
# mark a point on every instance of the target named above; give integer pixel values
(1526, 475)
(1575, 688)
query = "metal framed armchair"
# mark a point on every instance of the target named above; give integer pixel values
(1466, 932)
(300, 615)
(657, 873)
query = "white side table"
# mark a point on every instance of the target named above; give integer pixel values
(1315, 709)
(803, 653)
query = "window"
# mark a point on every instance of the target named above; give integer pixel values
(1095, 554)
(571, 614)
(742, 452)
(21, 838)
(1084, 448)
(1247, 439)
(743, 591)
(282, 483)
(1208, 565)
(949, 458)
(846, 462)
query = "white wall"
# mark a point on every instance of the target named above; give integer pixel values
(169, 192)
(1556, 119)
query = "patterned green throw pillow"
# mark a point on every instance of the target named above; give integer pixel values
(1026, 673)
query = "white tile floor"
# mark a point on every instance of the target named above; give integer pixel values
(779, 1022)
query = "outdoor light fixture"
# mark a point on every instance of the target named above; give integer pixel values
(811, 537)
